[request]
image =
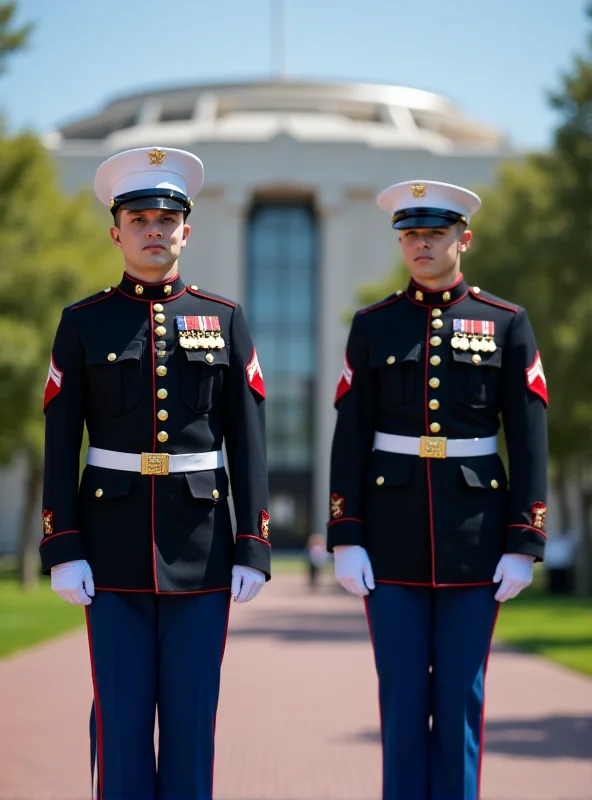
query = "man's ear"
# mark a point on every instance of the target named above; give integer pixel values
(186, 232)
(465, 240)
(115, 235)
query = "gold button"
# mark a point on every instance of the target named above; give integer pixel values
(446, 297)
(139, 289)
(161, 354)
(160, 331)
(419, 296)
(436, 312)
(391, 360)
(215, 494)
(162, 415)
(161, 371)
(99, 493)
(162, 394)
(168, 289)
(434, 383)
(437, 323)
(160, 344)
(379, 480)
(209, 358)
(158, 307)
(435, 341)
(435, 361)
(159, 318)
(435, 427)
(494, 484)
(434, 405)
(476, 289)
(162, 436)
(194, 287)
(111, 357)
(476, 358)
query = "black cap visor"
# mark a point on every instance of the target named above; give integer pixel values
(426, 218)
(147, 199)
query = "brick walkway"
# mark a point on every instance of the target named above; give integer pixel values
(298, 717)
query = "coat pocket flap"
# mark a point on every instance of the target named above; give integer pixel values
(211, 484)
(483, 473)
(389, 469)
(387, 356)
(107, 483)
(209, 357)
(485, 359)
(100, 354)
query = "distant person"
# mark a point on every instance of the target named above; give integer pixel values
(423, 522)
(160, 373)
(317, 557)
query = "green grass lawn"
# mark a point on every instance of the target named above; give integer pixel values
(559, 628)
(27, 618)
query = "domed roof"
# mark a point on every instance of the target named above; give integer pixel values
(380, 115)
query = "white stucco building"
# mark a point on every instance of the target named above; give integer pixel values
(287, 225)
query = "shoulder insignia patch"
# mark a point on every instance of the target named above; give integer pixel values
(345, 381)
(535, 379)
(53, 384)
(254, 375)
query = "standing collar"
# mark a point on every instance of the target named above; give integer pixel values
(432, 298)
(140, 290)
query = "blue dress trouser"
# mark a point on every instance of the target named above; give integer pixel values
(431, 648)
(153, 652)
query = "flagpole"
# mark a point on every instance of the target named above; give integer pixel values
(278, 39)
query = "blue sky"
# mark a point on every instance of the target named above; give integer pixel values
(496, 59)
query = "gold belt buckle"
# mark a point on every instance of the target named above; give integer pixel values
(155, 464)
(432, 446)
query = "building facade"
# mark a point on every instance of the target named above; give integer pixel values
(287, 225)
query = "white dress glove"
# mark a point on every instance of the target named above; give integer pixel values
(353, 569)
(246, 583)
(515, 573)
(73, 582)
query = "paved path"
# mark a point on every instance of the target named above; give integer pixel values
(298, 716)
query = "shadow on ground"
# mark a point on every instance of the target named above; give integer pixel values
(347, 626)
(549, 737)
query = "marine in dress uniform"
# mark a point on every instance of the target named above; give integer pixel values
(423, 521)
(162, 375)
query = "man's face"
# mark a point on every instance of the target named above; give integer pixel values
(150, 240)
(432, 254)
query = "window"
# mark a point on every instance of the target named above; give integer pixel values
(282, 310)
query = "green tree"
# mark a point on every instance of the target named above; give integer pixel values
(12, 39)
(55, 251)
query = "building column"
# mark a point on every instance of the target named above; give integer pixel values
(332, 335)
